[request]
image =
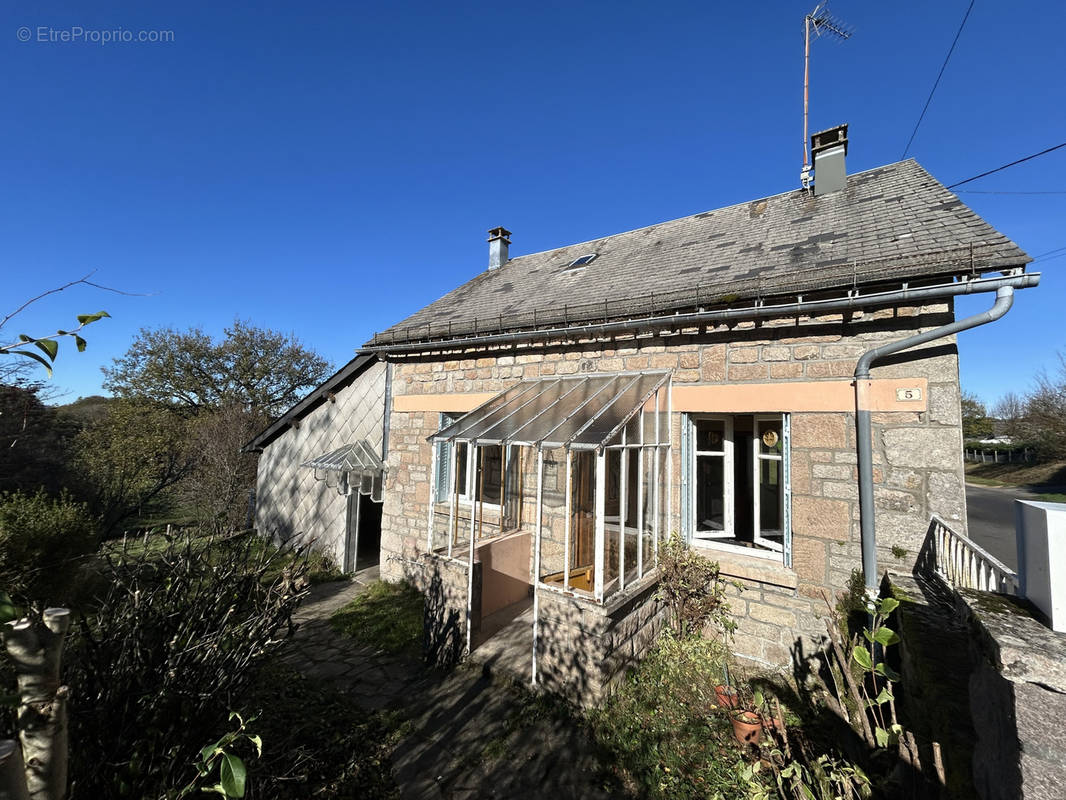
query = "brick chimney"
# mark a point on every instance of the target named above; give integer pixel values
(498, 244)
(828, 149)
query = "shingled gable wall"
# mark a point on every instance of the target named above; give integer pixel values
(917, 454)
(291, 504)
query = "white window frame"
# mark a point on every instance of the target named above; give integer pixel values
(726, 454)
(757, 456)
(466, 493)
(775, 552)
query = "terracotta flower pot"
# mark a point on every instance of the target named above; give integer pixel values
(726, 696)
(747, 726)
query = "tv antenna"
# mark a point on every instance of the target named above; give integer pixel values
(818, 23)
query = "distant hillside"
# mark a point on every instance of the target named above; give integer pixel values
(86, 409)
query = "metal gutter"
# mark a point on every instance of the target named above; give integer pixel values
(853, 301)
(1004, 301)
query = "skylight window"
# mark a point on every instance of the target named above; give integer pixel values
(582, 261)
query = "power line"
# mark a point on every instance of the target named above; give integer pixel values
(1011, 164)
(1049, 252)
(979, 191)
(936, 83)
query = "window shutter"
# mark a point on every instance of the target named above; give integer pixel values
(686, 478)
(444, 464)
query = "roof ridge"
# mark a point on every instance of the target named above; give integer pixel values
(710, 211)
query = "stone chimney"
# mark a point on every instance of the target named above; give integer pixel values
(828, 149)
(498, 243)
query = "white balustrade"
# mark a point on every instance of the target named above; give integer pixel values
(965, 564)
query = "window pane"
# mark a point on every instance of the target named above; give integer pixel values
(490, 474)
(770, 437)
(461, 451)
(769, 497)
(710, 493)
(710, 435)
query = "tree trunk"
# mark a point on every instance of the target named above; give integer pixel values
(12, 772)
(35, 650)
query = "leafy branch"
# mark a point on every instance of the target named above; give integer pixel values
(49, 345)
(232, 774)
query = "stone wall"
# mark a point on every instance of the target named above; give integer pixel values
(443, 581)
(917, 454)
(985, 677)
(583, 648)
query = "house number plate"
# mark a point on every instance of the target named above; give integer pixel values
(908, 394)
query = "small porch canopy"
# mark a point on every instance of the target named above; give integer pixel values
(357, 466)
(600, 447)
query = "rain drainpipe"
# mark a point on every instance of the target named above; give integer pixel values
(1004, 300)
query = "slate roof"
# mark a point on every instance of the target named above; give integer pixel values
(892, 223)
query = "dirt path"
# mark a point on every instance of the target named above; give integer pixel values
(470, 736)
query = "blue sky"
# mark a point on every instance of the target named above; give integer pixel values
(327, 169)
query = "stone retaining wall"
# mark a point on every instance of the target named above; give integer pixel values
(583, 648)
(986, 678)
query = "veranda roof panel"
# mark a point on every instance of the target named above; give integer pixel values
(580, 411)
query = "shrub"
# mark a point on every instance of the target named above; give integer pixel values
(177, 638)
(42, 541)
(660, 726)
(691, 586)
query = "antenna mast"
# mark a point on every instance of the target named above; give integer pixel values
(819, 21)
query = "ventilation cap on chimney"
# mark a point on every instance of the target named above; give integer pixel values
(828, 149)
(498, 243)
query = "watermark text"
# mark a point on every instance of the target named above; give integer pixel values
(76, 34)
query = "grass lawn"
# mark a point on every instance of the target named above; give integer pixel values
(387, 616)
(1050, 475)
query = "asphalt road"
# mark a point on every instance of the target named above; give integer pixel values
(990, 513)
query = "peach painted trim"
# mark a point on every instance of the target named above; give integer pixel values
(734, 398)
(440, 402)
(745, 398)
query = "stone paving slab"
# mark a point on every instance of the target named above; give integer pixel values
(470, 737)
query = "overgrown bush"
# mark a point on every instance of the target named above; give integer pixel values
(42, 543)
(660, 725)
(174, 643)
(691, 586)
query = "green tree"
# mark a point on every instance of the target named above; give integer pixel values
(133, 454)
(34, 441)
(259, 369)
(975, 421)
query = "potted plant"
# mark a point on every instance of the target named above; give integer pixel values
(746, 719)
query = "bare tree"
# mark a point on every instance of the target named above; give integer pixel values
(1045, 413)
(1009, 411)
(218, 485)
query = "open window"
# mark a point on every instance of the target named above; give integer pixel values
(735, 483)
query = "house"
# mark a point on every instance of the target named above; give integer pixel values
(557, 416)
(776, 381)
(321, 467)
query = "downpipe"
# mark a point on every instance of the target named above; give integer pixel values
(1004, 301)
